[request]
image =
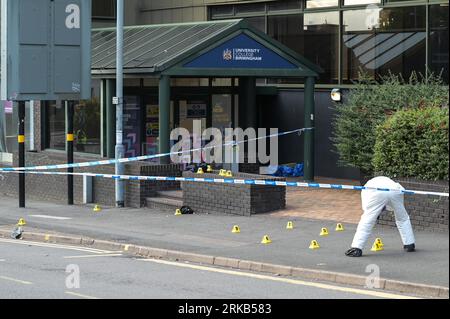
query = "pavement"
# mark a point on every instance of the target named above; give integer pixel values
(211, 235)
(53, 275)
(322, 204)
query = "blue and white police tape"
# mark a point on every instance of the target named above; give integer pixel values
(144, 157)
(242, 181)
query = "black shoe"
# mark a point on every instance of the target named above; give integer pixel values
(409, 248)
(353, 252)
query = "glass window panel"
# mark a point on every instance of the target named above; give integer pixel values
(356, 2)
(86, 126)
(104, 9)
(284, 5)
(258, 23)
(250, 8)
(313, 35)
(221, 111)
(221, 10)
(8, 129)
(439, 39)
(381, 40)
(221, 82)
(56, 125)
(321, 3)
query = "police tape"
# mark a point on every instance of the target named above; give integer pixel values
(241, 182)
(144, 157)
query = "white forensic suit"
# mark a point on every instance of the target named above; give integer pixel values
(373, 202)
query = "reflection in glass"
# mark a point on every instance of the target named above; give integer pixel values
(382, 40)
(56, 125)
(221, 10)
(356, 2)
(439, 40)
(86, 126)
(257, 22)
(313, 35)
(321, 3)
(250, 8)
(284, 5)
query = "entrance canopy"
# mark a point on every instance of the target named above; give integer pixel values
(229, 48)
(213, 48)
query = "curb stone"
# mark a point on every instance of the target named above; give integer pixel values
(312, 274)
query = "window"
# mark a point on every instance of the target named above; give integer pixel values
(439, 39)
(313, 35)
(56, 125)
(9, 129)
(221, 11)
(321, 3)
(356, 2)
(284, 5)
(257, 22)
(250, 8)
(382, 40)
(86, 124)
(105, 9)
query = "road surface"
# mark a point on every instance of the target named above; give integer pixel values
(42, 270)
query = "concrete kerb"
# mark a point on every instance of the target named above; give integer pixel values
(311, 274)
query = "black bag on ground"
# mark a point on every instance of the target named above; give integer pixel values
(186, 210)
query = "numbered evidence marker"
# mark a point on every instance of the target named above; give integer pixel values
(236, 229)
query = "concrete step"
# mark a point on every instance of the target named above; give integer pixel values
(178, 195)
(164, 203)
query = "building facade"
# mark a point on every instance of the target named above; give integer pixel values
(341, 36)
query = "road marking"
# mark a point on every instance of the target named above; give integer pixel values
(2, 260)
(91, 256)
(372, 293)
(80, 295)
(59, 246)
(16, 280)
(50, 217)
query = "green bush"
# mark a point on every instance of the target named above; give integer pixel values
(414, 143)
(370, 103)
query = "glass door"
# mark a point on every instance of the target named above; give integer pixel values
(193, 113)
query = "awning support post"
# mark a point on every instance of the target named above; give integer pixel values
(164, 118)
(308, 156)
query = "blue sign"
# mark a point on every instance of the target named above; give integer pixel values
(241, 52)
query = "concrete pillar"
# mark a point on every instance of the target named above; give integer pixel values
(164, 117)
(309, 135)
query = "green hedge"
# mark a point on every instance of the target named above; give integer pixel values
(413, 143)
(370, 103)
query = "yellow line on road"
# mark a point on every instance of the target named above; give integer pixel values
(92, 256)
(16, 280)
(371, 293)
(80, 295)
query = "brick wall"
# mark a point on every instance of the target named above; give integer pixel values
(426, 212)
(235, 199)
(53, 188)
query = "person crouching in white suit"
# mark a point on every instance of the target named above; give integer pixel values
(373, 203)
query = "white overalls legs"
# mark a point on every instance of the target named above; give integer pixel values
(373, 202)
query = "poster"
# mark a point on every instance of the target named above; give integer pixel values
(131, 126)
(196, 109)
(152, 111)
(152, 123)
